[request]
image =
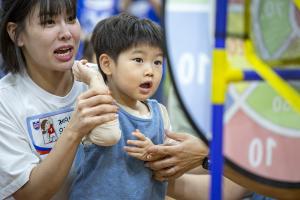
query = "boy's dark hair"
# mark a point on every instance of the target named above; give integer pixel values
(17, 11)
(119, 33)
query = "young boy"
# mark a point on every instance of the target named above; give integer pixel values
(130, 57)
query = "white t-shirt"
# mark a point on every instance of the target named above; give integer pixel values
(31, 120)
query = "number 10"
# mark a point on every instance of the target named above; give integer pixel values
(256, 152)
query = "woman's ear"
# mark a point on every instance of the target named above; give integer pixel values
(106, 64)
(11, 30)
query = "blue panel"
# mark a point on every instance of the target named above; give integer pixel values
(216, 153)
(189, 45)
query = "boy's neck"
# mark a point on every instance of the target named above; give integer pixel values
(135, 105)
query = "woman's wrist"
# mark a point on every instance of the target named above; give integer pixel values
(72, 136)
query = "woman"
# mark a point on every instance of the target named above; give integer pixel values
(39, 40)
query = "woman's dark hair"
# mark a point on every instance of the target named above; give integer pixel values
(17, 11)
(88, 50)
(119, 33)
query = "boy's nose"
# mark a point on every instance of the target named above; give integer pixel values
(148, 71)
(150, 74)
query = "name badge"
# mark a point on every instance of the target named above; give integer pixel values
(45, 129)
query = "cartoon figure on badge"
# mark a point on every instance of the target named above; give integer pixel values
(48, 131)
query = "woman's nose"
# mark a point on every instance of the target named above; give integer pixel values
(65, 33)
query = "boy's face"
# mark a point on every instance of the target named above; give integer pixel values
(136, 74)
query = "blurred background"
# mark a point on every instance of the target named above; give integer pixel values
(255, 114)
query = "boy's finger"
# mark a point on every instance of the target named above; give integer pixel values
(139, 135)
(137, 143)
(83, 61)
(133, 149)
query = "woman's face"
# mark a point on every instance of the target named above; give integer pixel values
(50, 47)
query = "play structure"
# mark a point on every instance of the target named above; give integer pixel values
(235, 67)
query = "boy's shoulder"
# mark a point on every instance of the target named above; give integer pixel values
(162, 108)
(164, 113)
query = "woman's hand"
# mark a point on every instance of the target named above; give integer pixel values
(94, 107)
(176, 159)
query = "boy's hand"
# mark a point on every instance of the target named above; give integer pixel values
(88, 75)
(139, 147)
(83, 73)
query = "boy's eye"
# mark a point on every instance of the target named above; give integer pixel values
(139, 60)
(157, 62)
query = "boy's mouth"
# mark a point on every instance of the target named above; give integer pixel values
(146, 85)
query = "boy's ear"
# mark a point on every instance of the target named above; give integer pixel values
(106, 63)
(11, 30)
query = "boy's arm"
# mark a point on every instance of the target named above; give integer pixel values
(108, 133)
